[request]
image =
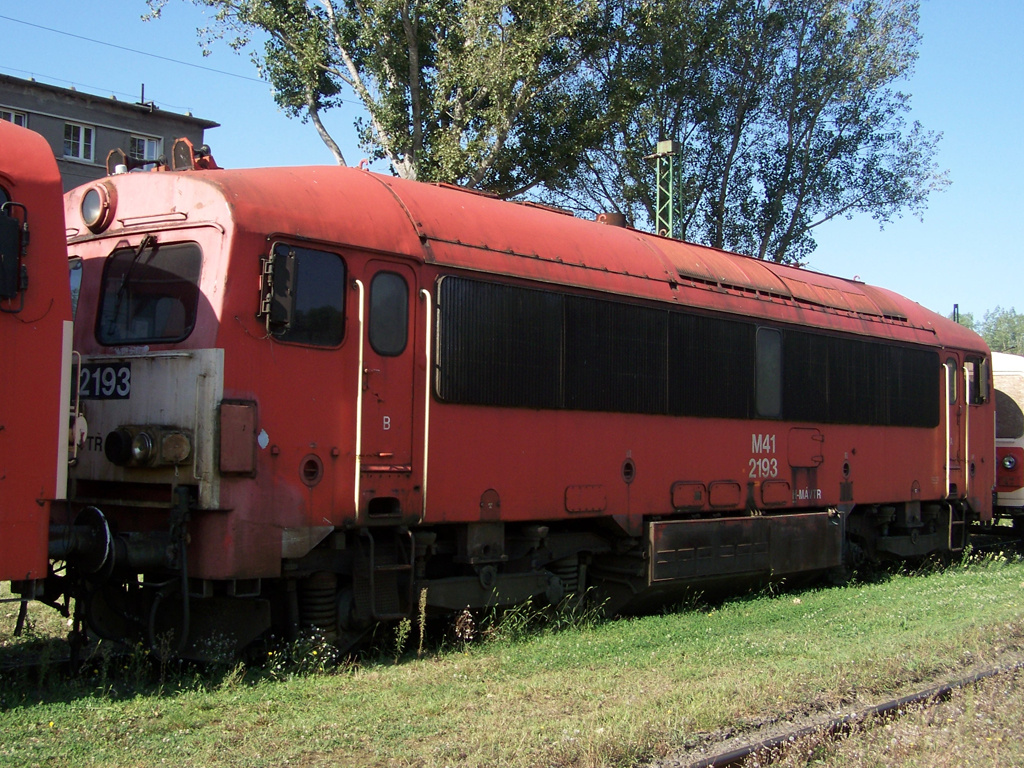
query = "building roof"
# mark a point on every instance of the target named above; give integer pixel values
(104, 103)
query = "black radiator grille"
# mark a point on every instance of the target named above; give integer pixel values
(503, 345)
(614, 356)
(710, 367)
(499, 345)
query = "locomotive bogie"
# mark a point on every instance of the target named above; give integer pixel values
(441, 396)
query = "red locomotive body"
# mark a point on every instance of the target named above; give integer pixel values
(35, 347)
(314, 393)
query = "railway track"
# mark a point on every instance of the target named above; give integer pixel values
(737, 751)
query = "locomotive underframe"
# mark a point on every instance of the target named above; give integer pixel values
(133, 584)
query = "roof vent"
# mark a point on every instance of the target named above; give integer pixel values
(612, 219)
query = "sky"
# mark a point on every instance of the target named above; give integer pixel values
(968, 84)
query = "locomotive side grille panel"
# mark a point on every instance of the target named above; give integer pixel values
(854, 368)
(805, 396)
(914, 389)
(847, 381)
(499, 345)
(614, 357)
(709, 367)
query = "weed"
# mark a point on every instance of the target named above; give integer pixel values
(422, 621)
(163, 654)
(528, 620)
(402, 631)
(234, 678)
(465, 628)
(309, 654)
(513, 624)
(218, 649)
(137, 667)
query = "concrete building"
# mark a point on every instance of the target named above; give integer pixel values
(82, 129)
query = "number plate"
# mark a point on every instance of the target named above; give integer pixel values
(105, 381)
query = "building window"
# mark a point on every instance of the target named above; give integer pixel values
(144, 148)
(18, 118)
(78, 141)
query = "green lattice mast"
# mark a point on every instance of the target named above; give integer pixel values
(668, 216)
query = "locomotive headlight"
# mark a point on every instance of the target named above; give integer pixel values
(142, 448)
(98, 204)
(175, 448)
(148, 446)
(118, 447)
(1009, 462)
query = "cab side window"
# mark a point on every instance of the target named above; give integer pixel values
(306, 296)
(978, 380)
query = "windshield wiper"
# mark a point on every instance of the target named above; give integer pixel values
(122, 288)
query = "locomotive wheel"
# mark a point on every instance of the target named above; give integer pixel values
(112, 613)
(167, 627)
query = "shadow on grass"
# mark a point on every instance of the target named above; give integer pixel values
(36, 668)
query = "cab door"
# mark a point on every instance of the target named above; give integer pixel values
(389, 482)
(956, 424)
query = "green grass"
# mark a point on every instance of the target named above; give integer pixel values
(614, 693)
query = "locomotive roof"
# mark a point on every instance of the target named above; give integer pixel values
(450, 226)
(27, 167)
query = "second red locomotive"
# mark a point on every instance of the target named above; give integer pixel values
(35, 354)
(315, 393)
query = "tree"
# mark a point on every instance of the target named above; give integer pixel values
(785, 111)
(482, 93)
(966, 319)
(1003, 330)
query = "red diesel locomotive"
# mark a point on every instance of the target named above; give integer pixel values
(35, 350)
(318, 395)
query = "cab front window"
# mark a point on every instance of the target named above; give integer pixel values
(150, 294)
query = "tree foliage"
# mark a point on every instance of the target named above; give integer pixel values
(1003, 330)
(474, 92)
(966, 319)
(786, 113)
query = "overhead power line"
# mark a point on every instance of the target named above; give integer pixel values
(135, 50)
